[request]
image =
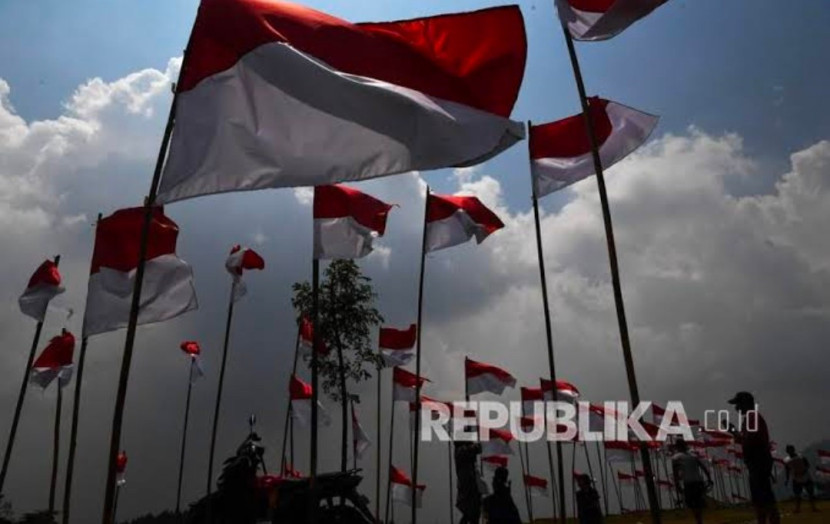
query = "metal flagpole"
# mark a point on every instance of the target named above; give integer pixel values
(20, 396)
(449, 466)
(378, 453)
(56, 451)
(528, 500)
(315, 343)
(391, 443)
(418, 362)
(573, 470)
(288, 407)
(354, 441)
(184, 433)
(615, 272)
(603, 477)
(341, 371)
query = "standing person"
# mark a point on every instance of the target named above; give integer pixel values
(587, 501)
(754, 439)
(468, 500)
(499, 507)
(688, 472)
(797, 467)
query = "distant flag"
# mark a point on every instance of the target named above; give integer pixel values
(620, 451)
(560, 151)
(498, 443)
(453, 220)
(194, 350)
(565, 391)
(307, 338)
(300, 393)
(537, 486)
(55, 361)
(657, 414)
(360, 440)
(346, 222)
(288, 471)
(43, 286)
(602, 19)
(823, 472)
(402, 487)
(824, 456)
(529, 397)
(405, 384)
(431, 405)
(495, 461)
(597, 414)
(121, 467)
(167, 290)
(396, 345)
(316, 100)
(626, 477)
(482, 377)
(240, 260)
(717, 438)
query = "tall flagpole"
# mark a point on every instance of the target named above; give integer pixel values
(391, 445)
(418, 363)
(560, 472)
(20, 396)
(378, 454)
(449, 467)
(184, 433)
(56, 450)
(315, 343)
(341, 372)
(602, 476)
(615, 271)
(528, 501)
(288, 407)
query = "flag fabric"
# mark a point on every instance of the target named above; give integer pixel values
(493, 462)
(428, 404)
(823, 456)
(121, 468)
(43, 286)
(402, 487)
(396, 345)
(594, 20)
(453, 220)
(274, 94)
(498, 443)
(482, 377)
(529, 397)
(55, 361)
(626, 477)
(560, 151)
(823, 472)
(346, 222)
(167, 290)
(565, 391)
(537, 486)
(193, 350)
(240, 260)
(360, 441)
(620, 451)
(300, 393)
(405, 384)
(307, 339)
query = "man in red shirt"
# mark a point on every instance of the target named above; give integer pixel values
(754, 438)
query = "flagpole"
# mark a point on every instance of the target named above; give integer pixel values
(354, 440)
(315, 343)
(184, 434)
(378, 453)
(602, 477)
(615, 272)
(524, 484)
(573, 470)
(449, 465)
(391, 443)
(288, 407)
(549, 339)
(418, 361)
(20, 397)
(56, 450)
(73, 433)
(341, 372)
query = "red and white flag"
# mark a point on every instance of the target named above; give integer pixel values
(240, 260)
(55, 361)
(121, 467)
(498, 442)
(565, 391)
(493, 462)
(537, 486)
(43, 286)
(823, 472)
(360, 441)
(602, 19)
(560, 151)
(300, 394)
(274, 94)
(453, 220)
(482, 377)
(823, 456)
(627, 478)
(529, 397)
(307, 339)
(193, 349)
(402, 487)
(405, 384)
(396, 345)
(620, 451)
(346, 222)
(167, 289)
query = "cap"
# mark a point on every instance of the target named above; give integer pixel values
(742, 398)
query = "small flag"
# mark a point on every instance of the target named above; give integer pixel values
(824, 456)
(360, 440)
(307, 339)
(300, 394)
(482, 377)
(498, 444)
(453, 220)
(43, 286)
(405, 384)
(167, 290)
(240, 260)
(55, 361)
(493, 462)
(665, 484)
(121, 468)
(565, 391)
(396, 345)
(346, 222)
(402, 487)
(823, 472)
(537, 486)
(529, 397)
(193, 349)
(560, 151)
(620, 451)
(595, 20)
(626, 477)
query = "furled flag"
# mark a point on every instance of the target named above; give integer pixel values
(498, 443)
(346, 222)
(823, 456)
(620, 451)
(405, 384)
(307, 338)
(396, 345)
(453, 220)
(494, 461)
(240, 260)
(193, 349)
(537, 486)
(360, 440)
(274, 94)
(402, 487)
(565, 391)
(55, 361)
(529, 397)
(167, 289)
(482, 377)
(121, 467)
(560, 151)
(602, 19)
(300, 393)
(44, 285)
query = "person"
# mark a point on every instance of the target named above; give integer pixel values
(689, 471)
(754, 439)
(468, 500)
(797, 467)
(499, 506)
(587, 501)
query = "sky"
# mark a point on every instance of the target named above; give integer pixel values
(719, 222)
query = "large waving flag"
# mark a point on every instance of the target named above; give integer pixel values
(360, 441)
(274, 94)
(453, 220)
(43, 286)
(300, 393)
(603, 19)
(482, 377)
(346, 221)
(560, 152)
(396, 345)
(242, 259)
(402, 487)
(537, 486)
(55, 361)
(405, 384)
(168, 280)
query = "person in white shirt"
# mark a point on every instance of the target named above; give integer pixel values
(689, 471)
(798, 468)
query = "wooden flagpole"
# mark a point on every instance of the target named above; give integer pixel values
(315, 343)
(184, 433)
(418, 362)
(615, 271)
(20, 396)
(56, 449)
